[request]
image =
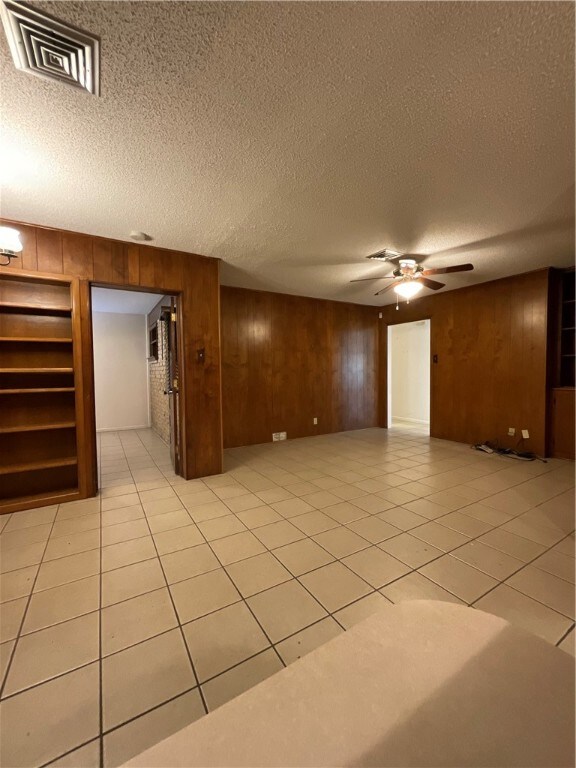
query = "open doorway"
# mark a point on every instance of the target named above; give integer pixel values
(135, 347)
(409, 376)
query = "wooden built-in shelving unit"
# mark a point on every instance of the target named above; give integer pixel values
(567, 331)
(38, 392)
(562, 405)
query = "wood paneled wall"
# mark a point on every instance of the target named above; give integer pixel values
(287, 359)
(195, 278)
(491, 343)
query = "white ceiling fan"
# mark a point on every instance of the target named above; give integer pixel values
(410, 276)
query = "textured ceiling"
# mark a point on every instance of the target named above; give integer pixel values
(123, 302)
(291, 140)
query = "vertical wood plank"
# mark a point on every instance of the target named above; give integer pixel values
(77, 255)
(49, 251)
(147, 266)
(29, 257)
(119, 263)
(110, 262)
(313, 358)
(133, 256)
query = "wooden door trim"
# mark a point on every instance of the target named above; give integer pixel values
(181, 382)
(89, 354)
(84, 383)
(384, 372)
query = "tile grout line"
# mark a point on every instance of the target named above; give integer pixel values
(565, 635)
(306, 536)
(182, 636)
(25, 612)
(336, 558)
(330, 614)
(65, 754)
(399, 506)
(339, 559)
(448, 552)
(525, 565)
(242, 598)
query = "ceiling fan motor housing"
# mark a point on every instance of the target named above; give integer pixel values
(408, 268)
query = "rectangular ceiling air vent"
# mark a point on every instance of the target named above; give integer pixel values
(49, 48)
(386, 254)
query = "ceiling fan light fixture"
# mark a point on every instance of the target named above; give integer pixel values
(408, 288)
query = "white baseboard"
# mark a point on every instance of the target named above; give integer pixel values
(410, 421)
(122, 429)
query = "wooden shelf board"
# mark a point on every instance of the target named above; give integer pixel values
(36, 465)
(36, 339)
(18, 503)
(36, 370)
(35, 391)
(38, 427)
(35, 309)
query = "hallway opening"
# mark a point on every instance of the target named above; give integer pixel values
(409, 376)
(135, 364)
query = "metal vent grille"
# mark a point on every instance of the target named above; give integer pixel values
(49, 48)
(386, 254)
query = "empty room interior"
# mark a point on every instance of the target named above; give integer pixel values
(287, 384)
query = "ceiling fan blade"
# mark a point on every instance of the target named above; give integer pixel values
(391, 285)
(434, 284)
(380, 277)
(447, 270)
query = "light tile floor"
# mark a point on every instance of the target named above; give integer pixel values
(127, 616)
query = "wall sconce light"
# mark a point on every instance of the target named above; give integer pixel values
(10, 245)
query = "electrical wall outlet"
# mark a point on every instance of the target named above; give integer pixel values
(511, 431)
(315, 420)
(525, 434)
(276, 436)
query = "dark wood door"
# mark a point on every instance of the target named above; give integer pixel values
(173, 391)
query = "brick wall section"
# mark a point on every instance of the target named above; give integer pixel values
(159, 402)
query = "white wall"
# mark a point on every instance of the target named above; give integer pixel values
(120, 371)
(409, 372)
